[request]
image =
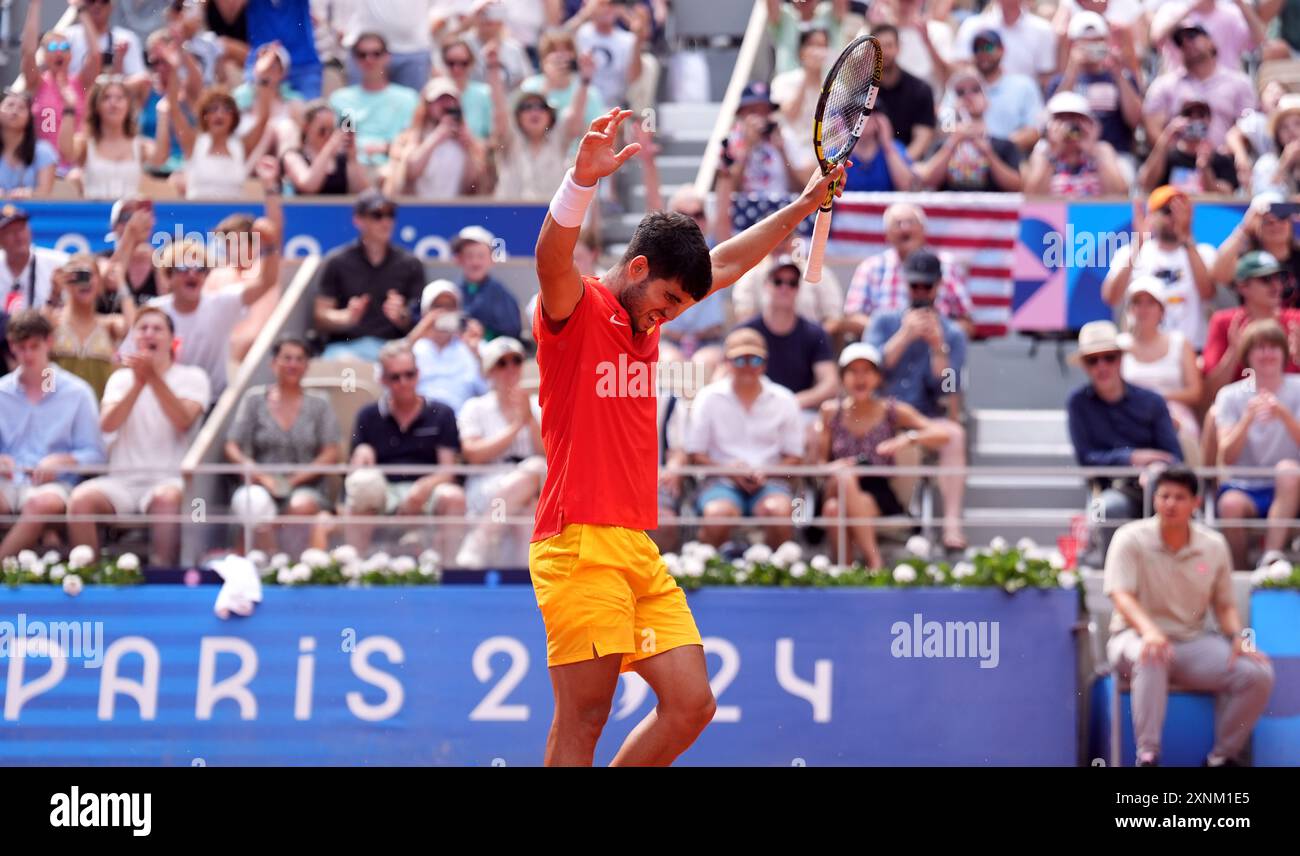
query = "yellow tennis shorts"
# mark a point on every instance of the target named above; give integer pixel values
(605, 590)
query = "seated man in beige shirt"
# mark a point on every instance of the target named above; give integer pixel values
(1164, 574)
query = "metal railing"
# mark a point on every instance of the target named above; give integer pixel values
(221, 474)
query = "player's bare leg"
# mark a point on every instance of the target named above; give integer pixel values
(680, 679)
(584, 693)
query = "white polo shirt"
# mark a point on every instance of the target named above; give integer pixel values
(1028, 46)
(724, 429)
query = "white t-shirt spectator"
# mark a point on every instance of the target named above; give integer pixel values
(1267, 440)
(915, 59)
(1184, 310)
(32, 287)
(400, 22)
(148, 442)
(482, 417)
(1028, 46)
(612, 53)
(132, 62)
(1119, 13)
(204, 334)
(722, 428)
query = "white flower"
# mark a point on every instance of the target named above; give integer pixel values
(284, 576)
(740, 564)
(345, 554)
(799, 570)
(1026, 545)
(1021, 566)
(381, 560)
(758, 554)
(1279, 571)
(788, 553)
(674, 563)
(351, 570)
(51, 557)
(693, 566)
(131, 562)
(257, 557)
(429, 571)
(1057, 561)
(699, 549)
(300, 573)
(9, 564)
(1067, 579)
(918, 546)
(27, 558)
(1259, 576)
(904, 574)
(314, 558)
(741, 575)
(57, 573)
(37, 570)
(404, 565)
(821, 564)
(280, 560)
(430, 558)
(934, 572)
(72, 585)
(999, 544)
(1014, 586)
(970, 553)
(837, 571)
(962, 570)
(82, 556)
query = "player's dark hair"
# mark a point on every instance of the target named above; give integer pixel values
(674, 246)
(1178, 475)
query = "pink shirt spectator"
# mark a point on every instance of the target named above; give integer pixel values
(1228, 93)
(1225, 24)
(47, 109)
(878, 286)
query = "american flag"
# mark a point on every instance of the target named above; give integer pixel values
(979, 230)
(748, 208)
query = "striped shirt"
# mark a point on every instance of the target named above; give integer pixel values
(878, 286)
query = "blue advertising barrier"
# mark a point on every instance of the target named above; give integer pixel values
(310, 227)
(1275, 617)
(457, 675)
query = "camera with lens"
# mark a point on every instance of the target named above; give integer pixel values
(1196, 130)
(79, 276)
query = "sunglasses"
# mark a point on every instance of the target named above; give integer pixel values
(1100, 358)
(963, 91)
(58, 47)
(751, 361)
(987, 47)
(530, 106)
(922, 286)
(381, 214)
(786, 282)
(509, 362)
(457, 63)
(394, 377)
(1271, 279)
(364, 55)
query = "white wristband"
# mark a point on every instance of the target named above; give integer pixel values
(569, 205)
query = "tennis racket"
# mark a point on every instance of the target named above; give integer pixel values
(847, 99)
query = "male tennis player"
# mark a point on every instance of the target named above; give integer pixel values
(607, 599)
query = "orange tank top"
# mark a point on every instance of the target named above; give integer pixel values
(598, 417)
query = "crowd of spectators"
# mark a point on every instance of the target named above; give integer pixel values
(428, 100)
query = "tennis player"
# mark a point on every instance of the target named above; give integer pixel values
(606, 597)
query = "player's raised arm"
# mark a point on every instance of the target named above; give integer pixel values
(598, 156)
(740, 253)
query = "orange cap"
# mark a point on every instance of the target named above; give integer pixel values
(1162, 196)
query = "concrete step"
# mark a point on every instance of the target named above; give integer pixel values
(1024, 491)
(1012, 373)
(673, 169)
(673, 118)
(1009, 455)
(1027, 428)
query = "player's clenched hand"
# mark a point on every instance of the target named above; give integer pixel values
(598, 155)
(814, 194)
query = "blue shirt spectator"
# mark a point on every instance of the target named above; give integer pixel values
(13, 177)
(873, 175)
(289, 23)
(1105, 434)
(64, 421)
(491, 304)
(450, 374)
(911, 379)
(1015, 102)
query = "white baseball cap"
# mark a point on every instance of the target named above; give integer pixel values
(1088, 25)
(436, 289)
(477, 234)
(1069, 102)
(1151, 285)
(860, 351)
(492, 352)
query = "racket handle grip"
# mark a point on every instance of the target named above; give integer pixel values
(821, 231)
